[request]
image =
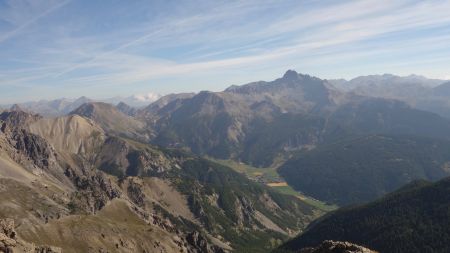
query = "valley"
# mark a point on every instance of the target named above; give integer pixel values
(271, 178)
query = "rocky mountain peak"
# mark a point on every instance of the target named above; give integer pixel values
(126, 109)
(16, 108)
(17, 118)
(94, 109)
(122, 104)
(83, 99)
(337, 247)
(291, 75)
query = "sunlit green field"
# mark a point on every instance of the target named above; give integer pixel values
(270, 177)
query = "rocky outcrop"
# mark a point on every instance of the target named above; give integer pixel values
(337, 247)
(244, 211)
(94, 190)
(120, 158)
(33, 146)
(7, 236)
(200, 244)
(17, 119)
(10, 243)
(31, 151)
(47, 249)
(135, 193)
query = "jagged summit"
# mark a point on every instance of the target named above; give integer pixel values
(291, 75)
(16, 108)
(126, 109)
(291, 80)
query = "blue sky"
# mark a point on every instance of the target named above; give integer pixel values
(99, 48)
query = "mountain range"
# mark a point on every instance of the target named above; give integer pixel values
(118, 174)
(420, 92)
(63, 106)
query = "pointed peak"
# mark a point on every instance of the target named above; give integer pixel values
(16, 108)
(290, 74)
(83, 99)
(123, 105)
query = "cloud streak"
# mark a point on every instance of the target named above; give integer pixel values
(189, 41)
(21, 28)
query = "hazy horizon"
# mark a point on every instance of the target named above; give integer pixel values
(150, 93)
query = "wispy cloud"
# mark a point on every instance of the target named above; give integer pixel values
(149, 41)
(22, 27)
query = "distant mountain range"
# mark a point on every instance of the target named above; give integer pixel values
(386, 85)
(63, 106)
(420, 92)
(417, 91)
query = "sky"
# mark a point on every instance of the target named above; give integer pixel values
(98, 48)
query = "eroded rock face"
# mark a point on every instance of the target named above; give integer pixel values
(337, 247)
(16, 119)
(94, 189)
(135, 193)
(200, 244)
(10, 243)
(47, 249)
(33, 147)
(25, 148)
(7, 236)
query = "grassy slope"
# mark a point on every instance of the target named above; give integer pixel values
(115, 229)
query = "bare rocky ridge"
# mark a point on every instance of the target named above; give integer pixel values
(112, 120)
(336, 247)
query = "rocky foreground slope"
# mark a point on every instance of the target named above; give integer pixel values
(10, 242)
(69, 183)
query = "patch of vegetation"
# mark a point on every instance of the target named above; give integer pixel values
(361, 169)
(414, 219)
(270, 177)
(263, 175)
